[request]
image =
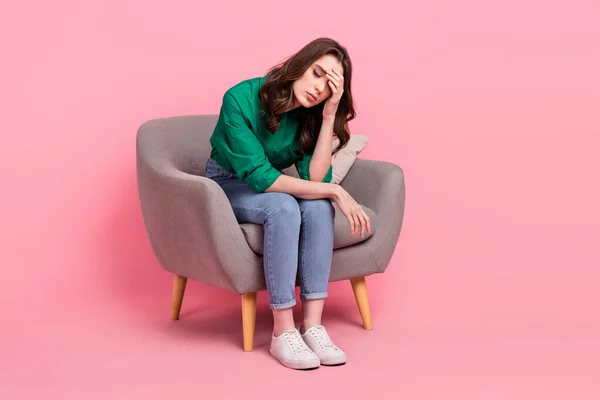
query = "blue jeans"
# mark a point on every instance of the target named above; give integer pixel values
(298, 241)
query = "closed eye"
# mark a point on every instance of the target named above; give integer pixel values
(315, 73)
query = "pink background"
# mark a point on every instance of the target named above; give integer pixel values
(491, 110)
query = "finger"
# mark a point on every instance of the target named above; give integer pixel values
(338, 74)
(333, 77)
(335, 80)
(334, 73)
(336, 92)
(356, 224)
(333, 88)
(351, 220)
(363, 224)
(368, 222)
(365, 220)
(336, 83)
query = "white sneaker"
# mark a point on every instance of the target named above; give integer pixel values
(318, 340)
(292, 352)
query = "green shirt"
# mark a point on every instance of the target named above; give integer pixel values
(242, 145)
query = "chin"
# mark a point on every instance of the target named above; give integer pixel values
(301, 102)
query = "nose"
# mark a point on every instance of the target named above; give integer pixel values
(320, 87)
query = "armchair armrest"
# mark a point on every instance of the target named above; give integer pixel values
(192, 229)
(379, 185)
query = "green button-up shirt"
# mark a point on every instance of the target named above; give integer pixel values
(242, 145)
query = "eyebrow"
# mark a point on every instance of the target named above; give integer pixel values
(321, 68)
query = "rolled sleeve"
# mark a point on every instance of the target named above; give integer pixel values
(303, 167)
(243, 150)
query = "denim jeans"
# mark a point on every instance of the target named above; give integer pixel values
(298, 237)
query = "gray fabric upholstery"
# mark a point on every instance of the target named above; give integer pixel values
(193, 231)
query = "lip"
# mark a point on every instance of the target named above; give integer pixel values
(311, 97)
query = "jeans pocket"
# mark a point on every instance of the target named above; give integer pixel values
(215, 171)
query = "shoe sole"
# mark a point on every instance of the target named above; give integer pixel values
(334, 365)
(292, 366)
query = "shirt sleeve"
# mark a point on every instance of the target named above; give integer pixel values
(303, 164)
(243, 150)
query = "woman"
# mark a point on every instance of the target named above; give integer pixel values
(266, 124)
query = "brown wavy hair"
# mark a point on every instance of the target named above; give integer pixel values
(277, 97)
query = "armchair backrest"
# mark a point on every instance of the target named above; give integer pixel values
(181, 141)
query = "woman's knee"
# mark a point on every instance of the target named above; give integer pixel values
(320, 207)
(284, 207)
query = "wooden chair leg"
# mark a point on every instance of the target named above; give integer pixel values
(359, 286)
(248, 319)
(178, 291)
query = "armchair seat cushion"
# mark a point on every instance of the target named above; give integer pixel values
(342, 237)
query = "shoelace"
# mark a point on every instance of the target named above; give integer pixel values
(296, 342)
(322, 337)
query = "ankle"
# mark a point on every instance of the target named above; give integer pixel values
(283, 320)
(306, 326)
(280, 329)
(279, 332)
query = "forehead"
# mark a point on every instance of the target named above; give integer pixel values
(328, 62)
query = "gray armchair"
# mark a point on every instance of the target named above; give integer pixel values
(194, 233)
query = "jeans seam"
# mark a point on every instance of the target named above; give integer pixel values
(269, 242)
(269, 258)
(313, 296)
(302, 253)
(302, 248)
(281, 306)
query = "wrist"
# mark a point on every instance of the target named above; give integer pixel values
(333, 191)
(329, 119)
